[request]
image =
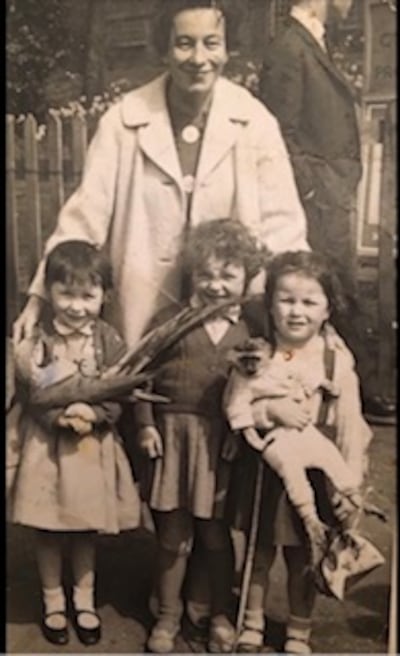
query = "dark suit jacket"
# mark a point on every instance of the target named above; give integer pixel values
(314, 105)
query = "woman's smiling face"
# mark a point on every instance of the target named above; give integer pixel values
(197, 50)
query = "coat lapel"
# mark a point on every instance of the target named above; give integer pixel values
(222, 128)
(322, 56)
(148, 113)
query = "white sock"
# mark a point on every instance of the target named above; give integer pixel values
(54, 602)
(254, 619)
(83, 598)
(298, 628)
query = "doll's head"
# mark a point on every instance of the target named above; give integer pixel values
(250, 357)
(221, 257)
(302, 292)
(77, 277)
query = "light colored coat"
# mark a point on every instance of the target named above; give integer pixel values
(131, 196)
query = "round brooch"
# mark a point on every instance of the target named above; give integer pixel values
(190, 134)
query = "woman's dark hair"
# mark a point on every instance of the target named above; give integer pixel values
(230, 10)
(77, 261)
(310, 265)
(228, 240)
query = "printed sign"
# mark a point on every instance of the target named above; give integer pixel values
(380, 50)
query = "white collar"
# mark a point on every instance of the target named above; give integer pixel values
(311, 23)
(66, 331)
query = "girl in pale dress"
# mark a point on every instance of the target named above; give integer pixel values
(301, 295)
(188, 441)
(73, 475)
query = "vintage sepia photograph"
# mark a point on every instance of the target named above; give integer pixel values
(201, 327)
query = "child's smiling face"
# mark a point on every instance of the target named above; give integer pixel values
(299, 308)
(218, 279)
(74, 305)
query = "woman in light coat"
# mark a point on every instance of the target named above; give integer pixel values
(137, 195)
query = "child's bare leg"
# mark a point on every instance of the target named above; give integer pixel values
(252, 636)
(83, 569)
(175, 537)
(301, 596)
(49, 559)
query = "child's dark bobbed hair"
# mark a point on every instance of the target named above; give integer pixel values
(77, 262)
(230, 10)
(228, 240)
(310, 265)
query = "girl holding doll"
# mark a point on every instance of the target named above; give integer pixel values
(301, 296)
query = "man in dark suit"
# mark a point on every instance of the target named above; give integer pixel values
(315, 106)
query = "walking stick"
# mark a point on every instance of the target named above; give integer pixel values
(251, 548)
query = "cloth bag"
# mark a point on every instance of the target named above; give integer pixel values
(349, 557)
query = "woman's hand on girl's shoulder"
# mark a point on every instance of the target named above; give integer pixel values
(24, 326)
(150, 442)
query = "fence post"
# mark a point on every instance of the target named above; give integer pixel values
(79, 146)
(33, 224)
(55, 154)
(386, 265)
(12, 243)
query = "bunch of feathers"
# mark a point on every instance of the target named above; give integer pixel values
(127, 379)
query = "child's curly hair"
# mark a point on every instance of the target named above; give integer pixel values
(228, 240)
(310, 265)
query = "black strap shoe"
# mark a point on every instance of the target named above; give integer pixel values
(55, 636)
(87, 636)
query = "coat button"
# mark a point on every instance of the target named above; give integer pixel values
(188, 184)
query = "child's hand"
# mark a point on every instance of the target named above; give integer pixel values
(77, 424)
(150, 442)
(82, 411)
(253, 438)
(230, 447)
(289, 413)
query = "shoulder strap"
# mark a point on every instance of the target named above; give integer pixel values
(329, 365)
